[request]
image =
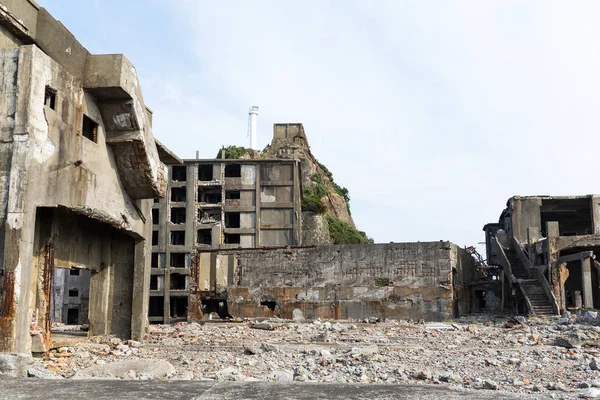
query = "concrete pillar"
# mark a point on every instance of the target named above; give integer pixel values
(552, 234)
(586, 277)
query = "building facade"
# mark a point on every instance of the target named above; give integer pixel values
(218, 204)
(79, 168)
(547, 247)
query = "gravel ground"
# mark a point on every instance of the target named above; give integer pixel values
(553, 357)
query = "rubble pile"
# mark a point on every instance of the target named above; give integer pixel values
(557, 357)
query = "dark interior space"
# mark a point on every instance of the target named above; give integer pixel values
(205, 172)
(154, 238)
(218, 306)
(232, 220)
(179, 307)
(89, 129)
(178, 282)
(153, 282)
(232, 238)
(178, 215)
(205, 236)
(156, 306)
(177, 260)
(155, 216)
(574, 216)
(233, 171)
(232, 195)
(178, 194)
(209, 195)
(178, 238)
(178, 173)
(154, 260)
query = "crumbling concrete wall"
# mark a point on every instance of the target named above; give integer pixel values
(47, 163)
(397, 280)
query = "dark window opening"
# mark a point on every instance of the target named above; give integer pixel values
(232, 238)
(178, 173)
(233, 171)
(73, 293)
(209, 195)
(178, 194)
(155, 215)
(72, 316)
(156, 306)
(179, 307)
(205, 236)
(74, 271)
(574, 216)
(232, 220)
(153, 282)
(178, 215)
(215, 306)
(232, 195)
(269, 304)
(154, 260)
(209, 216)
(156, 201)
(178, 282)
(205, 172)
(50, 98)
(89, 129)
(480, 296)
(178, 238)
(154, 238)
(177, 260)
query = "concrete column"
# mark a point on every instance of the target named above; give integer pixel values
(586, 277)
(258, 202)
(595, 204)
(141, 277)
(552, 233)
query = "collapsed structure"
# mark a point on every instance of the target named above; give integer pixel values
(79, 168)
(547, 246)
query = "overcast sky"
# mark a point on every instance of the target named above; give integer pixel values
(431, 113)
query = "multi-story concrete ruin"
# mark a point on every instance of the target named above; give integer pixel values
(547, 247)
(218, 204)
(78, 169)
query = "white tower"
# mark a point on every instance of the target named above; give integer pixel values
(252, 123)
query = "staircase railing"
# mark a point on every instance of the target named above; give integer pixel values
(504, 261)
(535, 273)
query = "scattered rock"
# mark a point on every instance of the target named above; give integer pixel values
(15, 365)
(298, 315)
(590, 393)
(42, 373)
(152, 369)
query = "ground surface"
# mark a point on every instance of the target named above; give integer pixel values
(477, 356)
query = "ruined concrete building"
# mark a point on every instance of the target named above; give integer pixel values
(547, 246)
(79, 168)
(424, 280)
(218, 204)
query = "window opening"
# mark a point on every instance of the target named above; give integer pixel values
(177, 260)
(232, 220)
(178, 194)
(73, 293)
(155, 215)
(232, 195)
(178, 238)
(178, 215)
(205, 236)
(89, 129)
(178, 173)
(50, 98)
(178, 282)
(154, 238)
(205, 172)
(232, 238)
(233, 171)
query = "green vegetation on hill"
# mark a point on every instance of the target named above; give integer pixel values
(233, 152)
(343, 233)
(311, 197)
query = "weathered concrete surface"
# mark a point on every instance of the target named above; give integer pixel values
(401, 280)
(54, 176)
(43, 389)
(128, 369)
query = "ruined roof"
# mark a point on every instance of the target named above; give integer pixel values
(166, 156)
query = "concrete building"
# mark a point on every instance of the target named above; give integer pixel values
(218, 204)
(423, 280)
(547, 246)
(79, 168)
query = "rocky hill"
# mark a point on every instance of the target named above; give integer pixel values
(326, 217)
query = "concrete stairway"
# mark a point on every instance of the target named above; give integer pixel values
(518, 269)
(539, 301)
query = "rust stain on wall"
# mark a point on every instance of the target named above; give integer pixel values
(7, 309)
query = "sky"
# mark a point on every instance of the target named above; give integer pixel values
(431, 113)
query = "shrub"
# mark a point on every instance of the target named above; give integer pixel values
(233, 152)
(343, 233)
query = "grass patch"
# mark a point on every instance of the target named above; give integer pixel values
(233, 152)
(343, 233)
